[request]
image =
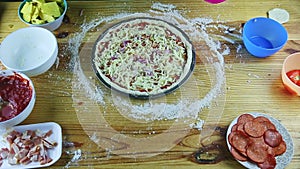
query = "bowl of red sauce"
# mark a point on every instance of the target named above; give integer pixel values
(17, 97)
(291, 73)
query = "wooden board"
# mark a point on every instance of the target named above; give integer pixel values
(252, 85)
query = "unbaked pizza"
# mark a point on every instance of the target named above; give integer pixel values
(143, 57)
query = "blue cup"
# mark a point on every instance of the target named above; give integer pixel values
(263, 37)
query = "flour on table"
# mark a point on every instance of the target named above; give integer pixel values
(195, 28)
(76, 157)
(184, 109)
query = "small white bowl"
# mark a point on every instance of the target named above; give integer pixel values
(27, 110)
(51, 26)
(31, 50)
(292, 62)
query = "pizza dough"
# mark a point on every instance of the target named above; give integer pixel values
(143, 57)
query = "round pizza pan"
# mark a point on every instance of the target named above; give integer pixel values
(145, 95)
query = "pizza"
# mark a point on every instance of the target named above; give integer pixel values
(143, 57)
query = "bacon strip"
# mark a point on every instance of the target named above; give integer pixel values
(29, 146)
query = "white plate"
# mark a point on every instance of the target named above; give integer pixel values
(54, 153)
(281, 160)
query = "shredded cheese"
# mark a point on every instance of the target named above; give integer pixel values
(141, 56)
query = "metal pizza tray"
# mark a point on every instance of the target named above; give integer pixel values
(146, 95)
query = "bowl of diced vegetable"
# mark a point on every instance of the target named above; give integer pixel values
(48, 14)
(291, 73)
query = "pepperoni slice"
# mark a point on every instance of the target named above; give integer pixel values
(256, 152)
(240, 127)
(237, 155)
(261, 141)
(239, 141)
(269, 125)
(234, 127)
(271, 151)
(261, 119)
(272, 137)
(270, 163)
(244, 118)
(266, 122)
(280, 149)
(230, 137)
(255, 128)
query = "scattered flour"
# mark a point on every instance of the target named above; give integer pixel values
(148, 111)
(76, 157)
(197, 125)
(163, 7)
(195, 28)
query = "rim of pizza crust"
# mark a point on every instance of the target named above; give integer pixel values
(186, 73)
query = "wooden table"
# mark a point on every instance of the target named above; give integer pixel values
(252, 85)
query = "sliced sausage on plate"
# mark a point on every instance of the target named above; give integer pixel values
(270, 163)
(240, 127)
(239, 141)
(259, 140)
(256, 152)
(254, 139)
(255, 128)
(273, 138)
(234, 127)
(266, 122)
(244, 118)
(237, 155)
(280, 149)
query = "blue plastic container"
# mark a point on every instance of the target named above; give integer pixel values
(264, 36)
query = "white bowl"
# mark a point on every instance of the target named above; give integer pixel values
(27, 110)
(31, 50)
(50, 26)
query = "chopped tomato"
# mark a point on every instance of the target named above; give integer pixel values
(294, 75)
